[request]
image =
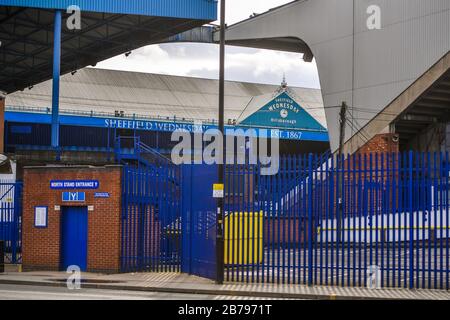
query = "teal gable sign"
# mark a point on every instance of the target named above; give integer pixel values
(283, 112)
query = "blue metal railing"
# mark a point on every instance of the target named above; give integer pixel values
(393, 215)
(132, 148)
(11, 220)
(100, 114)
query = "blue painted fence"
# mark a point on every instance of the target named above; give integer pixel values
(11, 220)
(334, 223)
(151, 219)
(318, 221)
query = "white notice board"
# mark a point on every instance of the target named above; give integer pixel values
(40, 217)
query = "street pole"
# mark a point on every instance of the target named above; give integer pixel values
(220, 200)
(342, 122)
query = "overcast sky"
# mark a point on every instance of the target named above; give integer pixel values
(242, 64)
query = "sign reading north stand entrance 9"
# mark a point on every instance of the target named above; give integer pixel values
(74, 184)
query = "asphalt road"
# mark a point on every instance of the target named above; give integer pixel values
(19, 292)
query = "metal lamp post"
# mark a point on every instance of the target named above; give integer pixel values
(220, 201)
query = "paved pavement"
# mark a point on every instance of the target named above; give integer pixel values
(175, 283)
(347, 266)
(26, 292)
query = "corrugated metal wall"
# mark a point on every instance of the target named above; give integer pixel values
(157, 95)
(190, 9)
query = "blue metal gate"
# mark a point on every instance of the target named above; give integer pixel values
(334, 222)
(168, 219)
(151, 218)
(151, 208)
(11, 220)
(199, 221)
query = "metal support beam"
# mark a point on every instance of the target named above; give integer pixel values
(438, 97)
(200, 35)
(418, 118)
(435, 104)
(56, 76)
(402, 129)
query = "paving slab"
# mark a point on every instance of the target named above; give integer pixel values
(183, 283)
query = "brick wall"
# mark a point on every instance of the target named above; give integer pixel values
(281, 231)
(380, 143)
(41, 246)
(360, 168)
(376, 149)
